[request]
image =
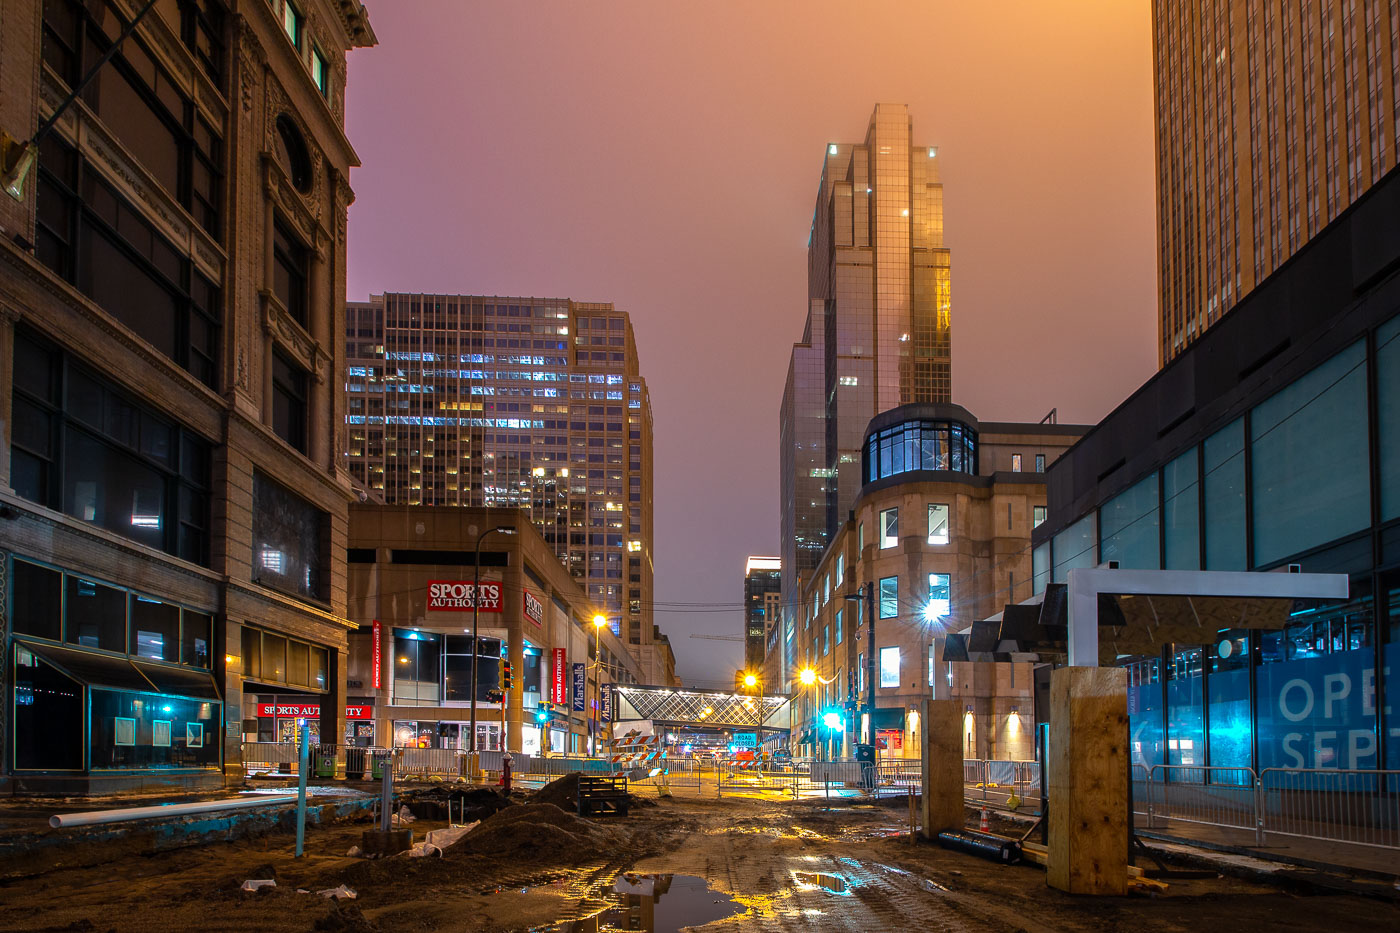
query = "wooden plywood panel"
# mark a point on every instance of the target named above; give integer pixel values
(942, 767)
(1088, 780)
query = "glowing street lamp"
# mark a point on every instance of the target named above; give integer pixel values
(807, 676)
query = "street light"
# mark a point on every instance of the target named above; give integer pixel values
(598, 622)
(751, 681)
(476, 649)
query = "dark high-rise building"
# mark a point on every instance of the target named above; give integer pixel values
(1272, 118)
(762, 604)
(531, 403)
(877, 333)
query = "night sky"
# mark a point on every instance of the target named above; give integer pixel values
(665, 157)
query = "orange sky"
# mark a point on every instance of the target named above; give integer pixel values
(665, 157)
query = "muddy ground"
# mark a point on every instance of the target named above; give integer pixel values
(532, 868)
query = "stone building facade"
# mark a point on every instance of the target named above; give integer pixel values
(941, 529)
(173, 506)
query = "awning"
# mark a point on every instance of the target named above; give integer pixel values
(181, 682)
(119, 673)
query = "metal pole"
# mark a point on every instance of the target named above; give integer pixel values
(301, 790)
(476, 648)
(870, 668)
(596, 721)
(386, 792)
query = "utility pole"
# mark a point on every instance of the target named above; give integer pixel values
(870, 666)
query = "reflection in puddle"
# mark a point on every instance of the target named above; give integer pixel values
(814, 879)
(656, 904)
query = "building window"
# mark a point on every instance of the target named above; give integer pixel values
(940, 600)
(291, 23)
(293, 154)
(276, 659)
(889, 597)
(860, 537)
(1128, 527)
(826, 640)
(291, 266)
(826, 589)
(839, 632)
(1038, 515)
(1223, 453)
(1040, 463)
(1015, 463)
(840, 569)
(1311, 482)
(99, 243)
(889, 528)
(889, 666)
(937, 524)
(148, 111)
(82, 448)
(289, 401)
(288, 540)
(318, 71)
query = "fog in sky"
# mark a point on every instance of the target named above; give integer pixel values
(665, 157)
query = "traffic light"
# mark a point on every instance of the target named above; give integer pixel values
(505, 676)
(542, 714)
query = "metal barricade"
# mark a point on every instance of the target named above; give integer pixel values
(423, 762)
(1212, 796)
(1350, 806)
(275, 757)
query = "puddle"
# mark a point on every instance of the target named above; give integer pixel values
(816, 879)
(655, 904)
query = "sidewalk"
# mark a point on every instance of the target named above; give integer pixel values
(1323, 854)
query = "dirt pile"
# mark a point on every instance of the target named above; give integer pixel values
(537, 830)
(563, 793)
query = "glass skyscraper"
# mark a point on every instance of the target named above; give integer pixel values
(877, 333)
(530, 403)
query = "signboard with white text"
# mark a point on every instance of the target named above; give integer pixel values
(534, 609)
(460, 596)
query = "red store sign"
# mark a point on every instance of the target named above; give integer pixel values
(558, 683)
(376, 659)
(459, 595)
(310, 711)
(534, 609)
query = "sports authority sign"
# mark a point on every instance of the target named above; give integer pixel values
(376, 659)
(459, 595)
(534, 609)
(310, 711)
(558, 681)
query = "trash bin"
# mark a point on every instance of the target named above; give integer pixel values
(376, 767)
(323, 763)
(355, 764)
(865, 756)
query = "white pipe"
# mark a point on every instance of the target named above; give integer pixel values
(68, 820)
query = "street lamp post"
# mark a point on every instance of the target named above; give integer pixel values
(476, 650)
(866, 594)
(754, 682)
(595, 723)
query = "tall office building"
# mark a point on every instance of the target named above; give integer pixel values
(877, 333)
(533, 403)
(762, 602)
(1272, 118)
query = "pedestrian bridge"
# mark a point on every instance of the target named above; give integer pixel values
(676, 706)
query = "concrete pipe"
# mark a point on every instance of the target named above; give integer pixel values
(93, 817)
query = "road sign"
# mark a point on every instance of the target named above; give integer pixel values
(745, 739)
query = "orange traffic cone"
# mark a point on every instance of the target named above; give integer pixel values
(983, 825)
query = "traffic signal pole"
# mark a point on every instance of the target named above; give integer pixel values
(870, 667)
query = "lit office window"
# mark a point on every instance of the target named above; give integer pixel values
(1040, 463)
(937, 523)
(1015, 463)
(889, 528)
(889, 666)
(291, 22)
(1039, 514)
(940, 602)
(318, 71)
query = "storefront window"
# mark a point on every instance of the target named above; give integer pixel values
(1316, 688)
(1391, 654)
(1230, 729)
(147, 730)
(1185, 740)
(1309, 459)
(48, 716)
(417, 668)
(1145, 712)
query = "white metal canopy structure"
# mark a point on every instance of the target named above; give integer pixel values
(1181, 605)
(702, 709)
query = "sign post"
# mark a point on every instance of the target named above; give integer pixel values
(301, 788)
